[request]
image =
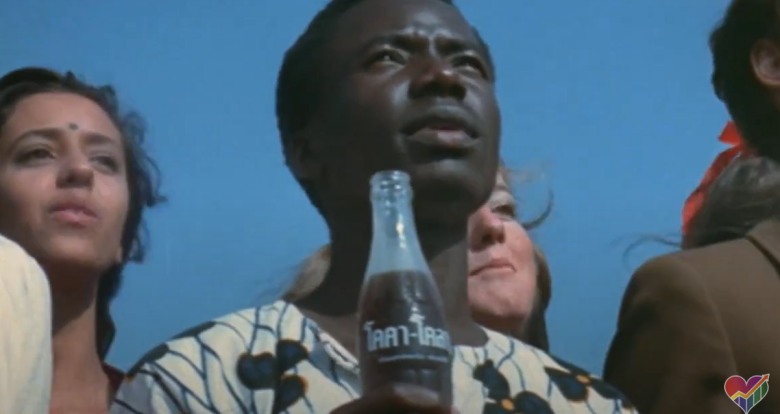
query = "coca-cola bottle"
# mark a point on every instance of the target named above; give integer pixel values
(403, 337)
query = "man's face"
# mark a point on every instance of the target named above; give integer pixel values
(406, 85)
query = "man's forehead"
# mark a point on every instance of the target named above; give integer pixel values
(375, 18)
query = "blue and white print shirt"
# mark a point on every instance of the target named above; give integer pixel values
(273, 360)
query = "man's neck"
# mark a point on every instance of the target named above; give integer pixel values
(445, 248)
(338, 294)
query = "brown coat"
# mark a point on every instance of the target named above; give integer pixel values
(691, 319)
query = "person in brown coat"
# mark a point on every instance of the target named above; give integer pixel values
(692, 319)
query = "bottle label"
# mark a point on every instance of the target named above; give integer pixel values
(414, 340)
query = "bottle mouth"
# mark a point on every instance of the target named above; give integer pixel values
(390, 186)
(389, 178)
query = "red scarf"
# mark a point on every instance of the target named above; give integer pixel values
(693, 203)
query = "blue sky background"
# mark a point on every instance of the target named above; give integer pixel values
(609, 99)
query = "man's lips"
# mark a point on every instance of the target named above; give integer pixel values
(443, 139)
(441, 119)
(447, 129)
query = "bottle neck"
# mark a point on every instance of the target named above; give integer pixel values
(395, 245)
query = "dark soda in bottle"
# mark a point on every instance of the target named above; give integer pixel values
(403, 337)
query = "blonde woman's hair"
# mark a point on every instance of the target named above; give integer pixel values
(310, 275)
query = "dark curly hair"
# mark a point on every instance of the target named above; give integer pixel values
(298, 86)
(749, 103)
(143, 176)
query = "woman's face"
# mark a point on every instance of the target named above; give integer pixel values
(63, 187)
(502, 269)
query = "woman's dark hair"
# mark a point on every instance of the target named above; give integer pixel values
(743, 195)
(746, 193)
(142, 173)
(749, 103)
(298, 86)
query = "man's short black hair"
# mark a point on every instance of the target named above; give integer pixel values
(747, 99)
(298, 83)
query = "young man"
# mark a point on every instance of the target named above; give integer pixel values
(691, 320)
(371, 85)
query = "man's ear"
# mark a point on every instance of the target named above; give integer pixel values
(301, 156)
(765, 59)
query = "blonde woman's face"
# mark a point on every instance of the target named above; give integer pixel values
(502, 270)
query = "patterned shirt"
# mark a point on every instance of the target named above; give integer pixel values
(273, 359)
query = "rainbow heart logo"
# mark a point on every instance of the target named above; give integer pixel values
(747, 394)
